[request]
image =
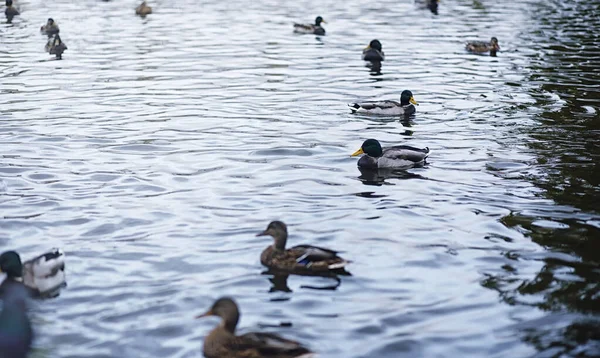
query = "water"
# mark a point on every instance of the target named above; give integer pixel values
(157, 149)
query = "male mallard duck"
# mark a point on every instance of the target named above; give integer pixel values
(50, 28)
(482, 46)
(44, 275)
(302, 259)
(373, 52)
(400, 156)
(15, 328)
(222, 342)
(55, 46)
(432, 5)
(10, 11)
(143, 9)
(406, 106)
(315, 29)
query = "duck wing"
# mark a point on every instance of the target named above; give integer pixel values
(406, 152)
(271, 345)
(46, 272)
(478, 46)
(304, 29)
(309, 256)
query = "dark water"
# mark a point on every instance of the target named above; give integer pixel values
(157, 149)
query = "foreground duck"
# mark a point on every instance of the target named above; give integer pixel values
(143, 9)
(222, 342)
(51, 28)
(301, 259)
(483, 46)
(15, 327)
(315, 29)
(399, 157)
(43, 275)
(55, 46)
(390, 108)
(373, 52)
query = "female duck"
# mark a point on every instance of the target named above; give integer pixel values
(373, 52)
(390, 108)
(43, 275)
(399, 157)
(222, 342)
(315, 29)
(302, 259)
(51, 28)
(55, 46)
(482, 46)
(143, 9)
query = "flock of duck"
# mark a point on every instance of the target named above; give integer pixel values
(44, 275)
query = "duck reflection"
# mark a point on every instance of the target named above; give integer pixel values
(374, 68)
(279, 281)
(377, 177)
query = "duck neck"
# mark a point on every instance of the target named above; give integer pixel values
(279, 244)
(229, 323)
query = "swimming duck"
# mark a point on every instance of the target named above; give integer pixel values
(432, 5)
(406, 106)
(143, 9)
(43, 275)
(400, 156)
(482, 46)
(222, 342)
(55, 46)
(10, 11)
(301, 259)
(315, 29)
(15, 327)
(50, 28)
(373, 52)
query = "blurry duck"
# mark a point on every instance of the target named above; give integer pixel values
(55, 46)
(15, 327)
(432, 5)
(10, 11)
(400, 156)
(222, 342)
(405, 107)
(482, 46)
(143, 9)
(301, 259)
(43, 275)
(373, 52)
(51, 28)
(315, 29)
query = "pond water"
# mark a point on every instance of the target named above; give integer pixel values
(158, 147)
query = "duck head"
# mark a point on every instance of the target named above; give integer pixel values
(433, 6)
(278, 231)
(319, 20)
(50, 22)
(370, 147)
(406, 97)
(11, 265)
(374, 44)
(227, 310)
(9, 3)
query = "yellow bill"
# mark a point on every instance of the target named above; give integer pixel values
(358, 152)
(413, 101)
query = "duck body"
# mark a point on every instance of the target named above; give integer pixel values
(16, 333)
(43, 275)
(51, 28)
(315, 29)
(373, 52)
(432, 5)
(483, 46)
(387, 107)
(399, 157)
(11, 10)
(55, 46)
(143, 9)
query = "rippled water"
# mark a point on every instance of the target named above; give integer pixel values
(158, 147)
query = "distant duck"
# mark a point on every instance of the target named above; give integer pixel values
(301, 259)
(400, 156)
(315, 29)
(15, 327)
(482, 46)
(10, 11)
(373, 52)
(387, 107)
(222, 342)
(51, 28)
(55, 46)
(143, 9)
(432, 5)
(43, 275)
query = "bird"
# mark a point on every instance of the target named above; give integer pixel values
(43, 275)
(315, 29)
(50, 28)
(10, 11)
(373, 52)
(301, 259)
(143, 9)
(16, 333)
(399, 157)
(405, 107)
(55, 46)
(432, 5)
(483, 46)
(222, 342)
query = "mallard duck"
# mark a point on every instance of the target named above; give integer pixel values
(43, 275)
(373, 52)
(301, 259)
(55, 46)
(315, 29)
(482, 46)
(400, 156)
(143, 9)
(15, 328)
(432, 5)
(406, 106)
(222, 342)
(50, 28)
(10, 11)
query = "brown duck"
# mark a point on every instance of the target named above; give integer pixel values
(222, 342)
(483, 46)
(301, 259)
(143, 9)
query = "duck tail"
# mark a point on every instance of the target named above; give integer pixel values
(354, 107)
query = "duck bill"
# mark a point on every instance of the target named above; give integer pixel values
(357, 153)
(367, 48)
(323, 21)
(263, 233)
(206, 314)
(413, 101)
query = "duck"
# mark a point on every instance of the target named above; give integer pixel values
(432, 5)
(43, 275)
(55, 46)
(143, 9)
(10, 11)
(483, 46)
(387, 107)
(399, 157)
(16, 333)
(315, 29)
(373, 52)
(50, 28)
(222, 342)
(301, 259)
